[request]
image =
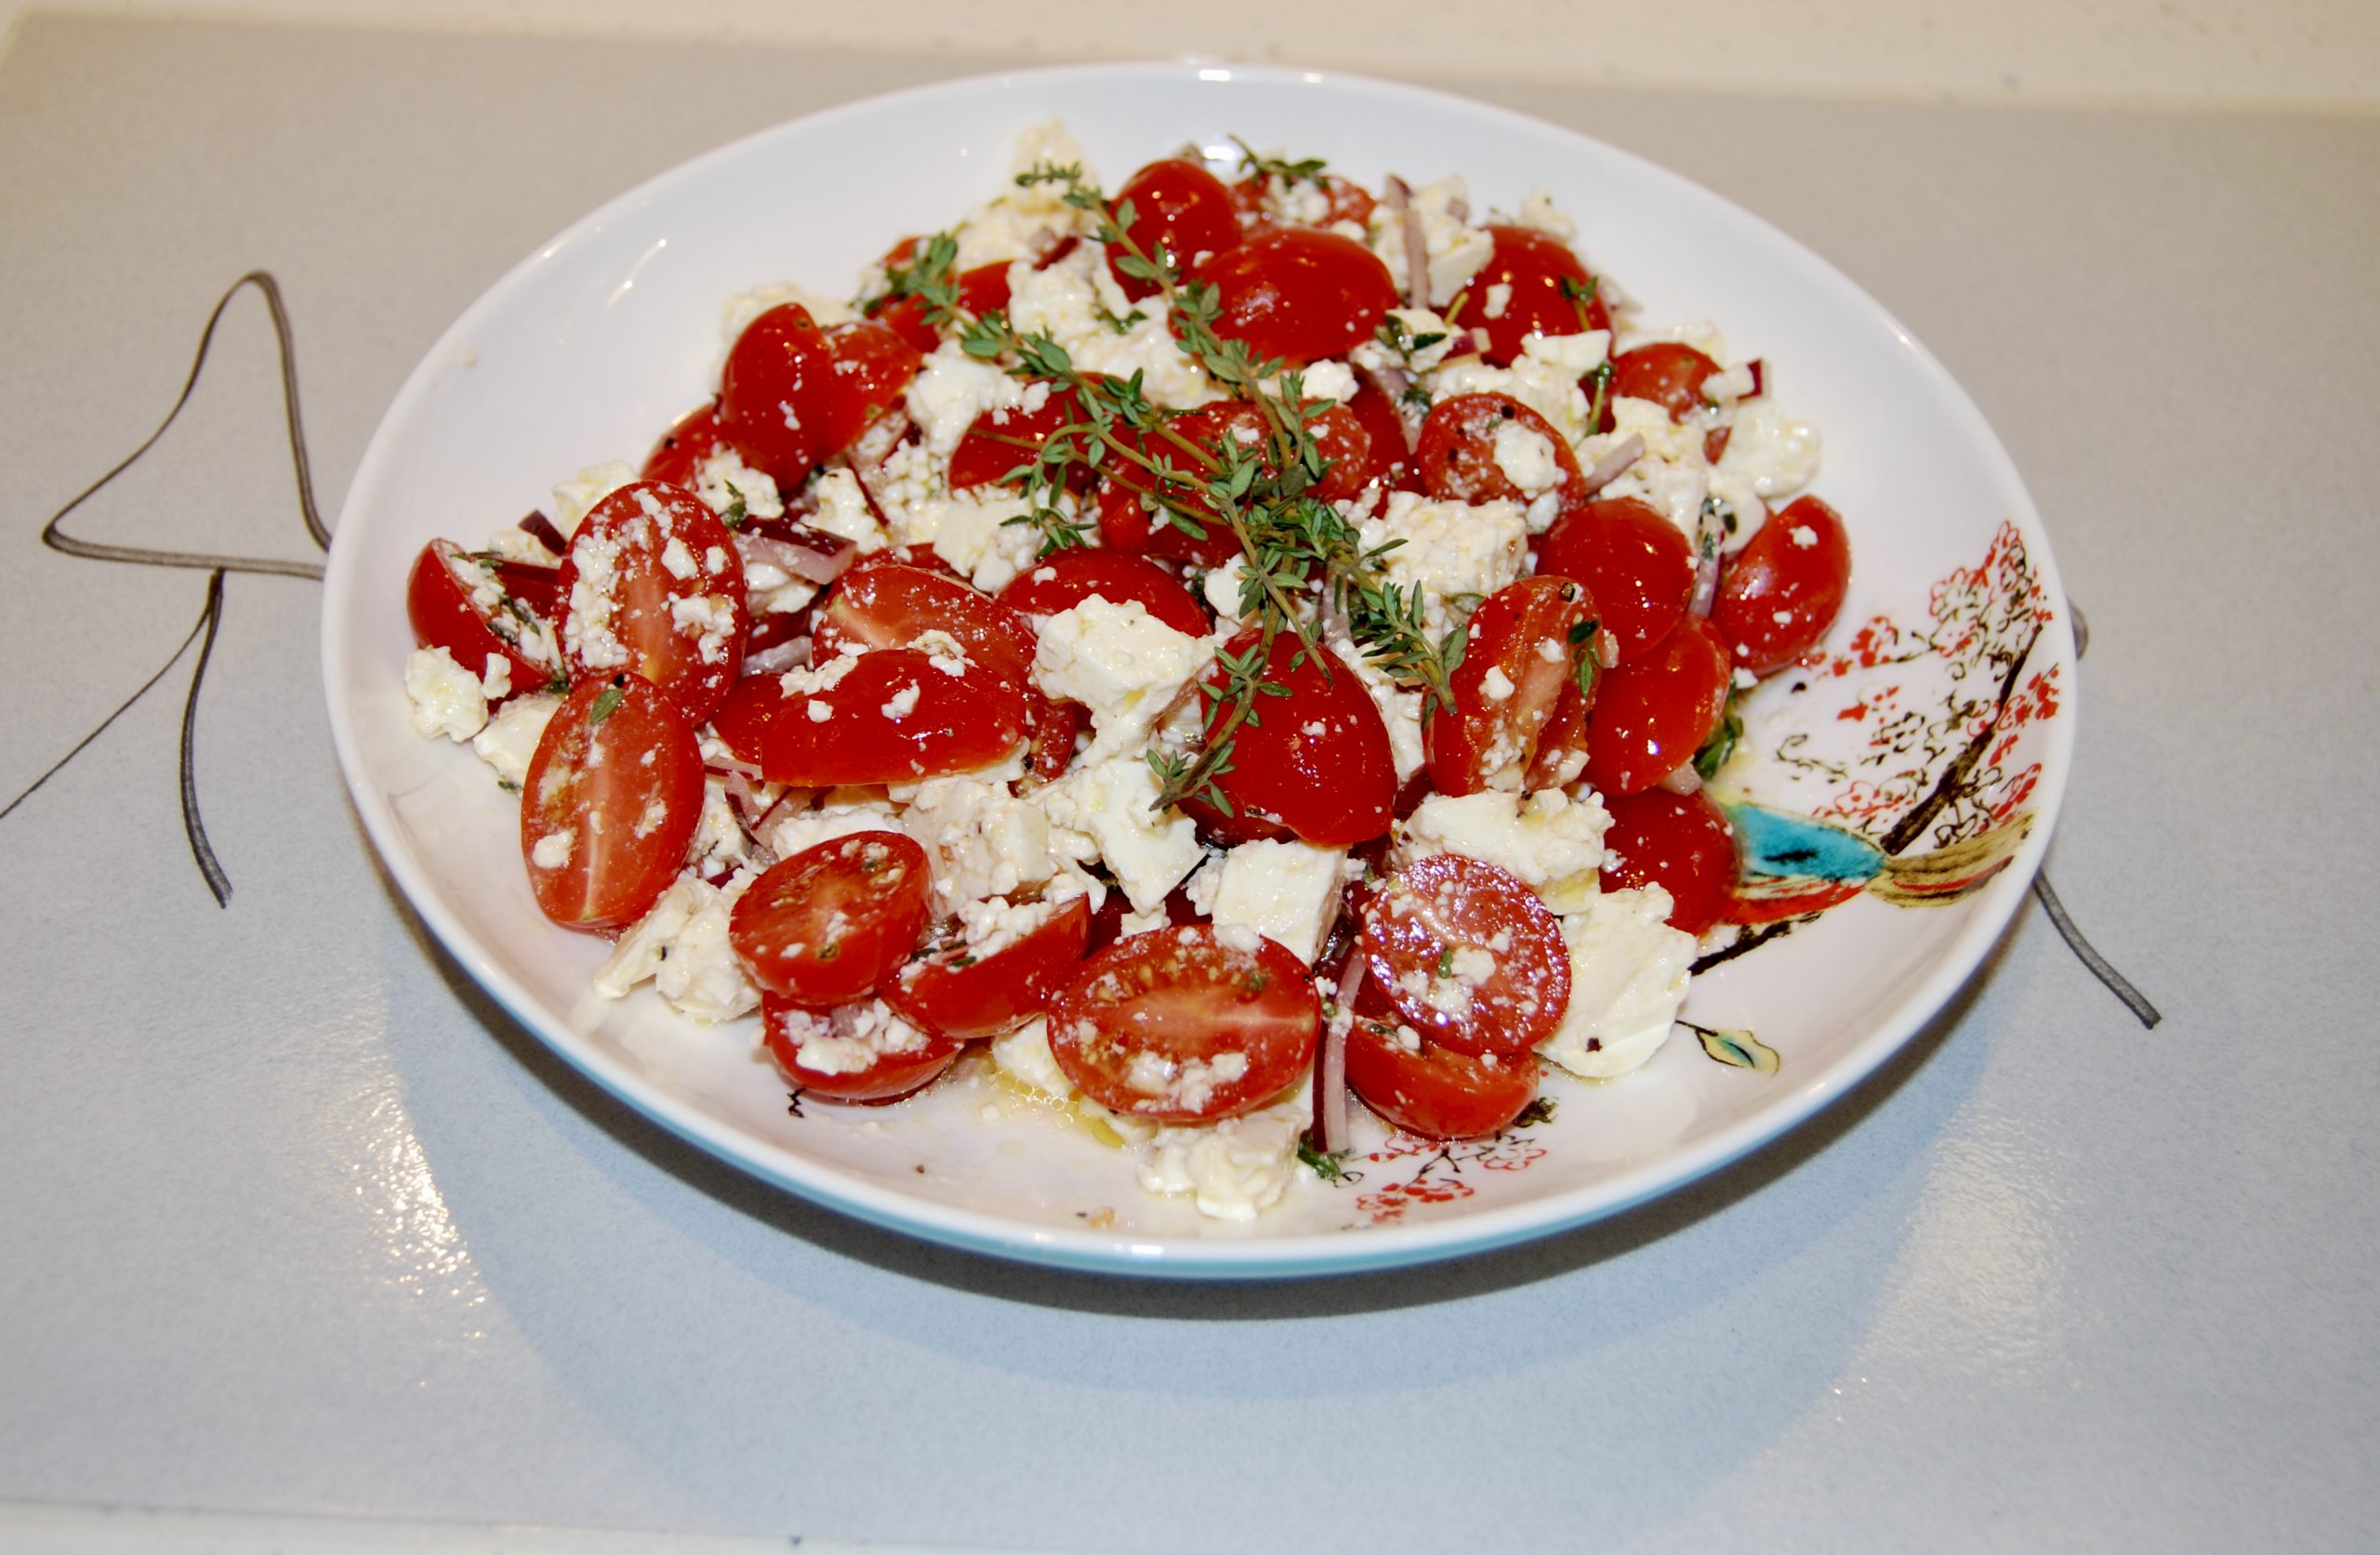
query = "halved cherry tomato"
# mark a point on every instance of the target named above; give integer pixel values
(1637, 564)
(957, 990)
(1680, 842)
(1667, 372)
(1298, 293)
(1457, 452)
(1050, 730)
(1782, 592)
(610, 803)
(1652, 714)
(981, 290)
(1521, 647)
(1178, 1026)
(833, 922)
(1000, 442)
(1065, 579)
(896, 714)
(1552, 292)
(1345, 200)
(1177, 205)
(1315, 763)
(924, 558)
(652, 583)
(474, 609)
(873, 366)
(1562, 743)
(776, 394)
(893, 605)
(742, 721)
(860, 1034)
(1392, 463)
(1469, 955)
(1435, 1092)
(694, 438)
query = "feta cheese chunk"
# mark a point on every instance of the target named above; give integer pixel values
(1553, 843)
(576, 497)
(682, 946)
(1629, 972)
(981, 840)
(1284, 891)
(1103, 810)
(1121, 663)
(447, 699)
(1234, 1169)
(1545, 379)
(511, 735)
(1078, 304)
(1449, 549)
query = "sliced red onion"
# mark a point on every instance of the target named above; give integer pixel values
(1685, 783)
(1417, 248)
(1613, 465)
(1331, 1068)
(792, 653)
(748, 808)
(1459, 209)
(812, 555)
(1708, 538)
(541, 529)
(860, 480)
(732, 768)
(1394, 382)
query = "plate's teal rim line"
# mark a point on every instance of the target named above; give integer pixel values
(1356, 1250)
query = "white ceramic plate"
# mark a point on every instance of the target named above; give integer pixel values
(602, 337)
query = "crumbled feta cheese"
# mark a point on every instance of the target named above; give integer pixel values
(844, 513)
(1776, 455)
(724, 477)
(953, 389)
(1449, 549)
(1103, 810)
(1527, 457)
(511, 735)
(1539, 210)
(1552, 842)
(553, 850)
(1077, 303)
(853, 1038)
(1400, 710)
(1121, 663)
(447, 699)
(1418, 323)
(1545, 378)
(1629, 972)
(576, 497)
(1234, 1169)
(980, 839)
(807, 828)
(1283, 891)
(971, 531)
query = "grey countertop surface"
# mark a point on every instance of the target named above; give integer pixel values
(298, 1221)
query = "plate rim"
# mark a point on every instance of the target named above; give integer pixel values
(1348, 1251)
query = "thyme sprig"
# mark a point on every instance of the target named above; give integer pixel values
(930, 276)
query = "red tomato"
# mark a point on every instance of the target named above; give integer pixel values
(1469, 955)
(981, 290)
(1181, 206)
(878, 1057)
(1193, 444)
(1435, 1092)
(833, 922)
(1667, 372)
(1298, 293)
(1680, 842)
(776, 392)
(1065, 579)
(1781, 592)
(1637, 564)
(959, 990)
(1552, 292)
(1521, 647)
(1316, 765)
(892, 605)
(873, 366)
(1651, 714)
(1562, 743)
(652, 583)
(1392, 463)
(1050, 732)
(742, 721)
(1000, 442)
(471, 608)
(1176, 1025)
(683, 447)
(1346, 200)
(609, 804)
(892, 716)
(922, 557)
(1457, 452)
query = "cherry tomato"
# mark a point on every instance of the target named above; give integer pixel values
(873, 366)
(981, 290)
(957, 990)
(1177, 1026)
(1050, 732)
(1435, 1092)
(1562, 743)
(1637, 564)
(833, 922)
(1666, 373)
(1680, 842)
(1392, 464)
(893, 605)
(474, 608)
(1000, 442)
(694, 438)
(1193, 444)
(1457, 451)
(652, 583)
(1316, 764)
(924, 558)
(896, 714)
(742, 721)
(610, 803)
(1521, 647)
(1652, 714)
(1782, 592)
(1298, 293)
(1469, 955)
(1177, 205)
(1345, 200)
(1065, 579)
(1552, 292)
(892, 1057)
(776, 393)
